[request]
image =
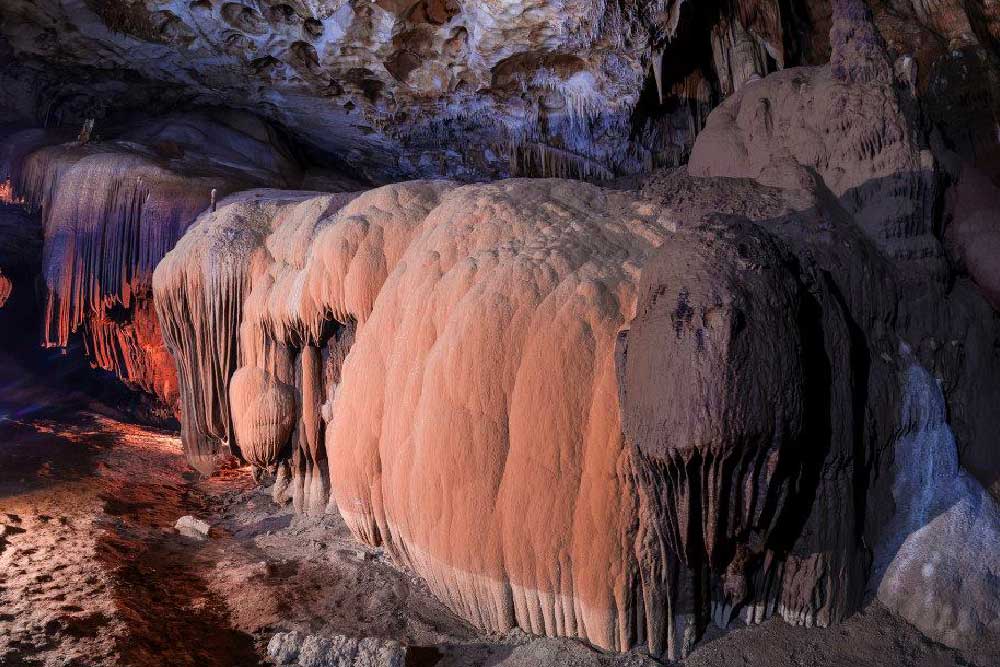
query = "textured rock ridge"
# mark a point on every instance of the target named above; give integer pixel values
(578, 88)
(363, 314)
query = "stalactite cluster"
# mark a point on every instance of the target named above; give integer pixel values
(111, 210)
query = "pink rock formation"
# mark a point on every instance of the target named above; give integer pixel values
(590, 413)
(199, 289)
(263, 413)
(596, 414)
(482, 391)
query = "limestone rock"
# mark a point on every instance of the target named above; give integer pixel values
(938, 562)
(422, 88)
(192, 527)
(295, 648)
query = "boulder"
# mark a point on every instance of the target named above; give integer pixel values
(936, 566)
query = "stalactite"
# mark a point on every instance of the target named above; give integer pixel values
(544, 161)
(111, 211)
(108, 220)
(199, 288)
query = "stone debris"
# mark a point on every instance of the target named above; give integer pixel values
(296, 648)
(192, 527)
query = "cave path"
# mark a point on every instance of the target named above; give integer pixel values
(91, 569)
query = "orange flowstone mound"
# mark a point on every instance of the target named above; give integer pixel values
(591, 413)
(454, 357)
(475, 432)
(472, 427)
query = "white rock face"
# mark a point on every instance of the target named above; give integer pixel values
(295, 648)
(192, 527)
(940, 565)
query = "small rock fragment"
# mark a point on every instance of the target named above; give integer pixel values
(284, 647)
(192, 527)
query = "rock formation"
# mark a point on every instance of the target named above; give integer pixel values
(605, 415)
(449, 88)
(764, 383)
(111, 210)
(936, 562)
(200, 289)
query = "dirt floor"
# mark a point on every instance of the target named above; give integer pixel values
(92, 571)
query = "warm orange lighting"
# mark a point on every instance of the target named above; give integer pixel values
(7, 193)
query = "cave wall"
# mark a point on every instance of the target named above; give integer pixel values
(471, 90)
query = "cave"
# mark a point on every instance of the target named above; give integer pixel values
(340, 333)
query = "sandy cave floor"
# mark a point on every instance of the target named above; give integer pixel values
(93, 573)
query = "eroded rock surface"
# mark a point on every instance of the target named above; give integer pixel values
(419, 88)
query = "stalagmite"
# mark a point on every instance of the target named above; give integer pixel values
(658, 72)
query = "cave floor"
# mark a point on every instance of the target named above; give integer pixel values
(92, 571)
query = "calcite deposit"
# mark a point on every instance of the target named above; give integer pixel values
(417, 88)
(110, 210)
(597, 414)
(690, 319)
